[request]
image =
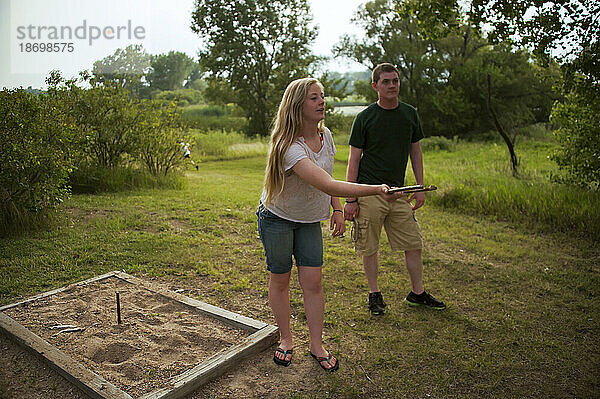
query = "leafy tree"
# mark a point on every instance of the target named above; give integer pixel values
(125, 68)
(444, 75)
(257, 47)
(169, 71)
(459, 82)
(565, 31)
(35, 143)
(194, 79)
(568, 26)
(389, 37)
(334, 86)
(109, 120)
(519, 94)
(219, 91)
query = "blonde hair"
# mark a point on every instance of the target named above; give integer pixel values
(287, 125)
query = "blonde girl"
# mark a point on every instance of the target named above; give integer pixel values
(297, 195)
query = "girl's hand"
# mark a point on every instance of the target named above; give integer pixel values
(389, 197)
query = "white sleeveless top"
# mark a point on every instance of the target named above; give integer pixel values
(299, 201)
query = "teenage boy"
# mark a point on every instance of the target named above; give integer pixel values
(384, 136)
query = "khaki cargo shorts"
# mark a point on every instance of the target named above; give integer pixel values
(397, 217)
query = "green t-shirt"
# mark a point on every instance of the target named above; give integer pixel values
(385, 136)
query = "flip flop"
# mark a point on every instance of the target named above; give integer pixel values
(320, 360)
(283, 362)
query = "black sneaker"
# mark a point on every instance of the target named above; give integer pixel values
(424, 299)
(376, 304)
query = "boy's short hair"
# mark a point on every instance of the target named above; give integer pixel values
(385, 67)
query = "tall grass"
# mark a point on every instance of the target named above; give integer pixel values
(212, 117)
(16, 220)
(476, 179)
(95, 180)
(222, 145)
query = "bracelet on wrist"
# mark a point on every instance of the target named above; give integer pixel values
(351, 201)
(338, 210)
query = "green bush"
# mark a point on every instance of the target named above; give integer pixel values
(182, 97)
(199, 117)
(35, 149)
(109, 121)
(159, 138)
(197, 111)
(339, 123)
(117, 132)
(537, 131)
(579, 138)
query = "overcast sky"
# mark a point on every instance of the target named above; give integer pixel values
(159, 25)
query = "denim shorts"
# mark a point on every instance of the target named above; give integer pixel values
(283, 238)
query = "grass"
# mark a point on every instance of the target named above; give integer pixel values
(523, 315)
(16, 220)
(205, 117)
(93, 180)
(214, 145)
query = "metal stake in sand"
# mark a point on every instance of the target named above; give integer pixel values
(118, 309)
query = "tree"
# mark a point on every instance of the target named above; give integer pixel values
(392, 38)
(565, 31)
(169, 71)
(444, 73)
(515, 92)
(194, 79)
(257, 46)
(125, 68)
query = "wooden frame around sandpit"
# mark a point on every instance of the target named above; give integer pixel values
(263, 335)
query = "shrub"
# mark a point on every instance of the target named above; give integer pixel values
(117, 132)
(105, 116)
(339, 123)
(35, 144)
(579, 137)
(159, 138)
(182, 97)
(213, 117)
(537, 131)
(196, 111)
